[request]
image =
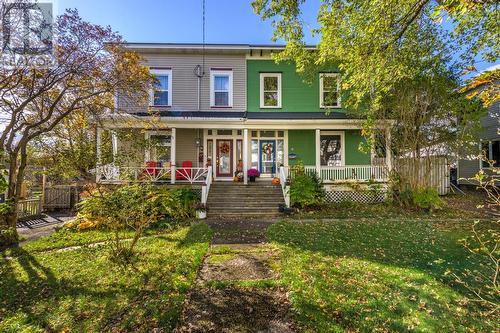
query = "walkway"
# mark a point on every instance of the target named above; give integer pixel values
(236, 288)
(42, 226)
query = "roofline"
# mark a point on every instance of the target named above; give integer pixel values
(209, 46)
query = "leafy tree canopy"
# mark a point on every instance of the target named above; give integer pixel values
(381, 43)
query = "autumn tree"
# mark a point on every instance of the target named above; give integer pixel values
(398, 60)
(88, 64)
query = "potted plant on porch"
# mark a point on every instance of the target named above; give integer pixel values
(252, 174)
(201, 211)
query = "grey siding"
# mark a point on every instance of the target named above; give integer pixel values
(490, 123)
(185, 82)
(185, 146)
(467, 169)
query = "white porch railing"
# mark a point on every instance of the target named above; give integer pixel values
(350, 173)
(117, 174)
(283, 174)
(205, 189)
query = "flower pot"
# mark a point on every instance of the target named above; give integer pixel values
(201, 214)
(252, 178)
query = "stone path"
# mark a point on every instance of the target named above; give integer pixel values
(236, 289)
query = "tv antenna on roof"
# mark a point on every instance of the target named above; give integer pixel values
(199, 70)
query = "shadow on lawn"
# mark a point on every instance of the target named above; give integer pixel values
(21, 296)
(376, 275)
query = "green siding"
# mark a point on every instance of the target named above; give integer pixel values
(302, 143)
(296, 96)
(353, 156)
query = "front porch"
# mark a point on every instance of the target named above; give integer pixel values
(199, 156)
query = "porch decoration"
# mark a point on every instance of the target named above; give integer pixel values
(224, 148)
(201, 211)
(267, 149)
(275, 181)
(252, 174)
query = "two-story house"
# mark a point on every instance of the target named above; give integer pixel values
(224, 109)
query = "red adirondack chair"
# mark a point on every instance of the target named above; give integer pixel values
(185, 171)
(151, 168)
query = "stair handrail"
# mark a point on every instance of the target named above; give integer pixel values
(284, 186)
(205, 189)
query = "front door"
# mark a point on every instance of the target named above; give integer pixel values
(267, 156)
(224, 167)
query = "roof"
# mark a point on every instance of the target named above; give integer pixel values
(297, 115)
(226, 48)
(248, 115)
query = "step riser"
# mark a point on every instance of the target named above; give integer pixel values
(227, 200)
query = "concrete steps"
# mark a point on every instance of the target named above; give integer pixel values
(255, 200)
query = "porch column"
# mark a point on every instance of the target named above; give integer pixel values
(98, 137)
(388, 149)
(114, 143)
(318, 154)
(172, 155)
(245, 156)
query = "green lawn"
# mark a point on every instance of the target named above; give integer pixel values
(83, 291)
(377, 275)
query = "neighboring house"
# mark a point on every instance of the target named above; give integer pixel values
(245, 112)
(488, 144)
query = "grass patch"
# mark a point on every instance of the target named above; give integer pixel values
(262, 283)
(376, 275)
(350, 209)
(220, 258)
(83, 291)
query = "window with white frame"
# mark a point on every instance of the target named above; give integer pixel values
(329, 90)
(491, 151)
(221, 88)
(331, 149)
(161, 94)
(270, 90)
(160, 146)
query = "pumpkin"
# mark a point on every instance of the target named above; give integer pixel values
(276, 181)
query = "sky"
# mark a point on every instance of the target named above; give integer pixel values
(227, 21)
(180, 21)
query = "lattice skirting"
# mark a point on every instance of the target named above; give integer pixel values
(355, 196)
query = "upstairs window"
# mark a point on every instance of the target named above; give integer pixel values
(329, 90)
(270, 90)
(162, 90)
(221, 88)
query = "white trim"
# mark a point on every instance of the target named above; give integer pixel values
(321, 91)
(147, 136)
(261, 89)
(245, 156)
(214, 73)
(162, 72)
(318, 145)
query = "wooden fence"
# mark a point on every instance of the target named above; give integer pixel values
(61, 197)
(431, 171)
(29, 208)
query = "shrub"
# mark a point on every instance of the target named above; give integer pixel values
(306, 191)
(427, 198)
(133, 207)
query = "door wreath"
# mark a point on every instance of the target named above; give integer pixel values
(224, 148)
(267, 149)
